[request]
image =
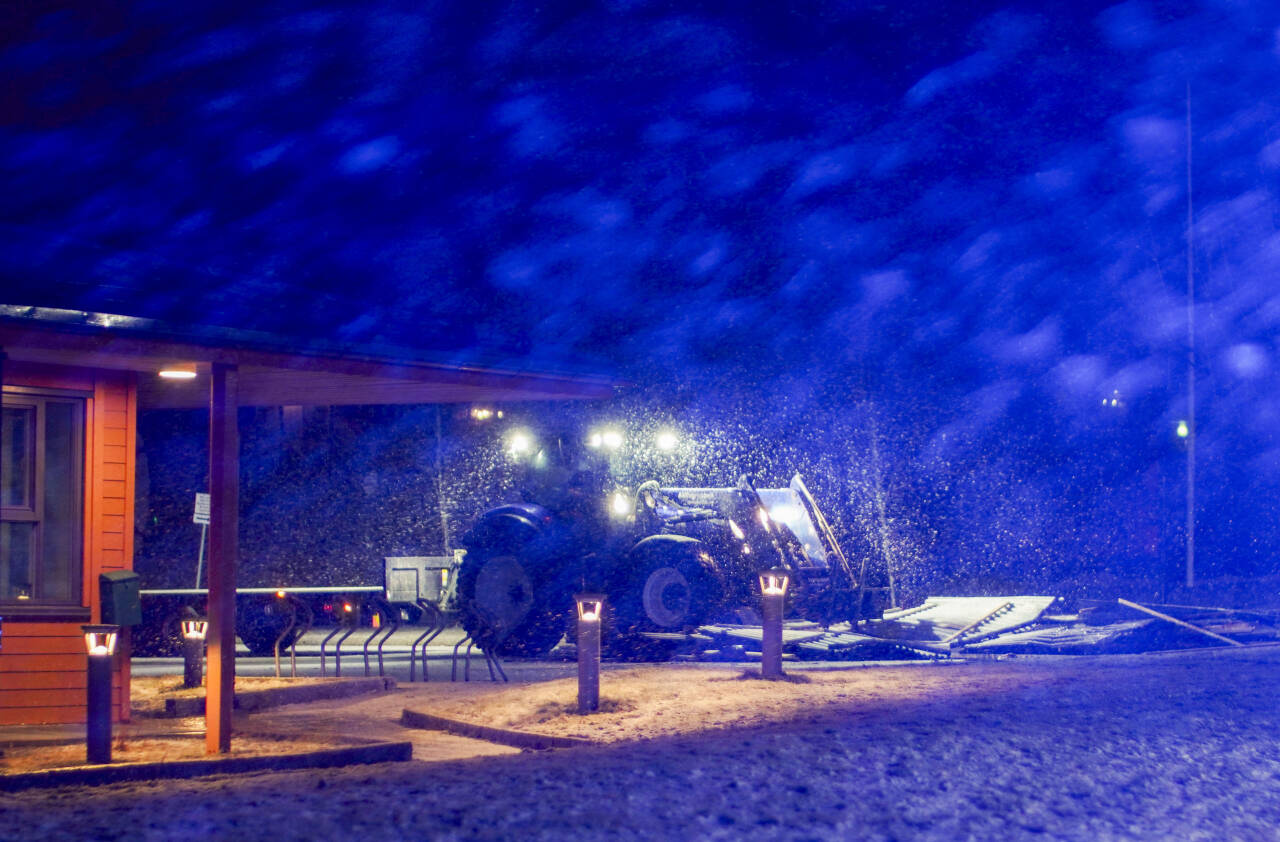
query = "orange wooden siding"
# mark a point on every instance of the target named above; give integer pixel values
(43, 669)
(43, 664)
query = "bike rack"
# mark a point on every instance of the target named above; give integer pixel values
(308, 619)
(453, 674)
(490, 659)
(293, 621)
(434, 628)
(387, 612)
(348, 629)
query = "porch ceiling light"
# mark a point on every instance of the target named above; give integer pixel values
(182, 371)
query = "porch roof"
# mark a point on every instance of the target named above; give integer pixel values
(274, 370)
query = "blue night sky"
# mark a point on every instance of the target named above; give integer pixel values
(956, 231)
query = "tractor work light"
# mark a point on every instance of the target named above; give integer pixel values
(620, 504)
(608, 439)
(666, 440)
(519, 444)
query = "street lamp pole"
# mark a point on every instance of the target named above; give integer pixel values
(773, 592)
(100, 641)
(193, 633)
(590, 610)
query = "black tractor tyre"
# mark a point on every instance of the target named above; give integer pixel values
(259, 623)
(508, 588)
(673, 586)
(161, 639)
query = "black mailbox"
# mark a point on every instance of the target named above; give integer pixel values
(118, 596)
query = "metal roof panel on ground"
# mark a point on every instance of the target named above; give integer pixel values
(941, 618)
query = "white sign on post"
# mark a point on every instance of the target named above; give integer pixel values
(201, 514)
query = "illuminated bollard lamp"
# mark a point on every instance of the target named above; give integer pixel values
(193, 634)
(100, 640)
(773, 593)
(590, 612)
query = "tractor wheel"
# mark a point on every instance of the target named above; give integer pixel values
(162, 639)
(507, 586)
(673, 587)
(259, 622)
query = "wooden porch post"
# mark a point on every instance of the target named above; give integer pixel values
(224, 534)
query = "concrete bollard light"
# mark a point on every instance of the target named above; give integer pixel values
(100, 641)
(590, 612)
(773, 593)
(193, 633)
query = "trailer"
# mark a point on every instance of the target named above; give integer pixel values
(273, 618)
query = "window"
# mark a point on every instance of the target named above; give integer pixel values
(41, 500)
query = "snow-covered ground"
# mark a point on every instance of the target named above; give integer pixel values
(1173, 746)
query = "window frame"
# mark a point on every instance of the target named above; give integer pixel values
(73, 608)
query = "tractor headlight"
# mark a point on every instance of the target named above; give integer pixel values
(621, 504)
(606, 439)
(519, 444)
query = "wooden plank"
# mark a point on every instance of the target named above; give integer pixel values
(64, 715)
(114, 489)
(10, 699)
(115, 472)
(114, 398)
(1178, 622)
(115, 453)
(42, 663)
(16, 627)
(112, 506)
(111, 523)
(112, 560)
(42, 646)
(76, 679)
(111, 541)
(115, 437)
(112, 420)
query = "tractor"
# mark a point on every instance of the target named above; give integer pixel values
(667, 560)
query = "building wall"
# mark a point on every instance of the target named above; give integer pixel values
(43, 663)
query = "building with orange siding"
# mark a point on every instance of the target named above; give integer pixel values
(72, 386)
(42, 652)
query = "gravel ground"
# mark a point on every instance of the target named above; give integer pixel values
(1180, 746)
